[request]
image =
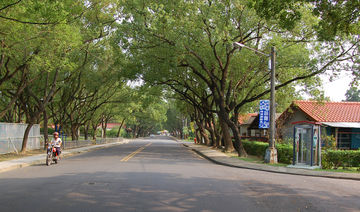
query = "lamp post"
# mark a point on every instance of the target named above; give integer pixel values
(271, 152)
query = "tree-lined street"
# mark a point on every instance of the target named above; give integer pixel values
(159, 174)
(196, 70)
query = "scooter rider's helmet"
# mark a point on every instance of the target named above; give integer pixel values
(56, 133)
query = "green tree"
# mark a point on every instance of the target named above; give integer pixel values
(178, 41)
(353, 94)
(334, 17)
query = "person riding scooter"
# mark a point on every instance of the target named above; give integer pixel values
(56, 142)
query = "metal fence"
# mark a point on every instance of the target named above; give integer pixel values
(82, 143)
(11, 137)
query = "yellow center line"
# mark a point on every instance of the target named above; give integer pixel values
(134, 153)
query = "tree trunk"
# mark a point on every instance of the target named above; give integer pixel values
(105, 127)
(240, 148)
(94, 127)
(135, 131)
(198, 140)
(205, 137)
(45, 126)
(86, 131)
(218, 140)
(229, 147)
(236, 132)
(26, 136)
(181, 134)
(210, 129)
(74, 133)
(217, 132)
(202, 132)
(118, 133)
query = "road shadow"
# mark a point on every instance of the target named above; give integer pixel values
(153, 191)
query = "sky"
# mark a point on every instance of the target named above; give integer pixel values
(337, 88)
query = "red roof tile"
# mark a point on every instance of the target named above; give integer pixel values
(330, 111)
(243, 118)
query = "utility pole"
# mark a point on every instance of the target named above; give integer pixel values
(271, 152)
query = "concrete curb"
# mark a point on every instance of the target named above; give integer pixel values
(40, 158)
(284, 170)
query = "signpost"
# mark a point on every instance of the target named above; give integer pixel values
(264, 114)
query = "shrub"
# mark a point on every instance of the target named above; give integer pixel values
(285, 151)
(329, 142)
(329, 159)
(340, 158)
(112, 133)
(255, 148)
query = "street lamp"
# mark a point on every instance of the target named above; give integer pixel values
(271, 152)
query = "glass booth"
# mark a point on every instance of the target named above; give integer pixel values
(307, 144)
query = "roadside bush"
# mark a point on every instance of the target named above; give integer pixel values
(255, 148)
(112, 133)
(340, 158)
(285, 151)
(330, 159)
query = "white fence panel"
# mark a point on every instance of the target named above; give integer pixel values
(11, 137)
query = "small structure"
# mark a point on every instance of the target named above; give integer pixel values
(338, 119)
(245, 121)
(307, 145)
(256, 133)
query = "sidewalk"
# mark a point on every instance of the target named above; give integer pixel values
(221, 158)
(40, 159)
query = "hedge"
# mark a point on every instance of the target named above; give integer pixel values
(340, 158)
(255, 148)
(284, 151)
(329, 159)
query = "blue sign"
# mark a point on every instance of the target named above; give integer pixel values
(264, 114)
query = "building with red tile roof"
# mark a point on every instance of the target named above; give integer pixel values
(330, 111)
(245, 121)
(245, 118)
(340, 119)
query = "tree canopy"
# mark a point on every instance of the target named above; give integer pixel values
(75, 63)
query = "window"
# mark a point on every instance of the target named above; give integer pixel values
(344, 138)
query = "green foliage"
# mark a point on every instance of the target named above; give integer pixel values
(112, 133)
(185, 130)
(174, 120)
(50, 130)
(284, 151)
(334, 17)
(340, 158)
(353, 94)
(255, 148)
(329, 142)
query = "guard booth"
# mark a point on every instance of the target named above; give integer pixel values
(307, 145)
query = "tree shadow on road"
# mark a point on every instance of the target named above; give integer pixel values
(152, 191)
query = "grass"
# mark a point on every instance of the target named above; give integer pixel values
(14, 155)
(249, 158)
(355, 170)
(256, 159)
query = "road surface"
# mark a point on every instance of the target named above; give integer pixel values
(159, 174)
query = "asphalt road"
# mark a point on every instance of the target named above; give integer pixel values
(158, 174)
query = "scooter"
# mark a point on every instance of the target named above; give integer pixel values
(51, 155)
